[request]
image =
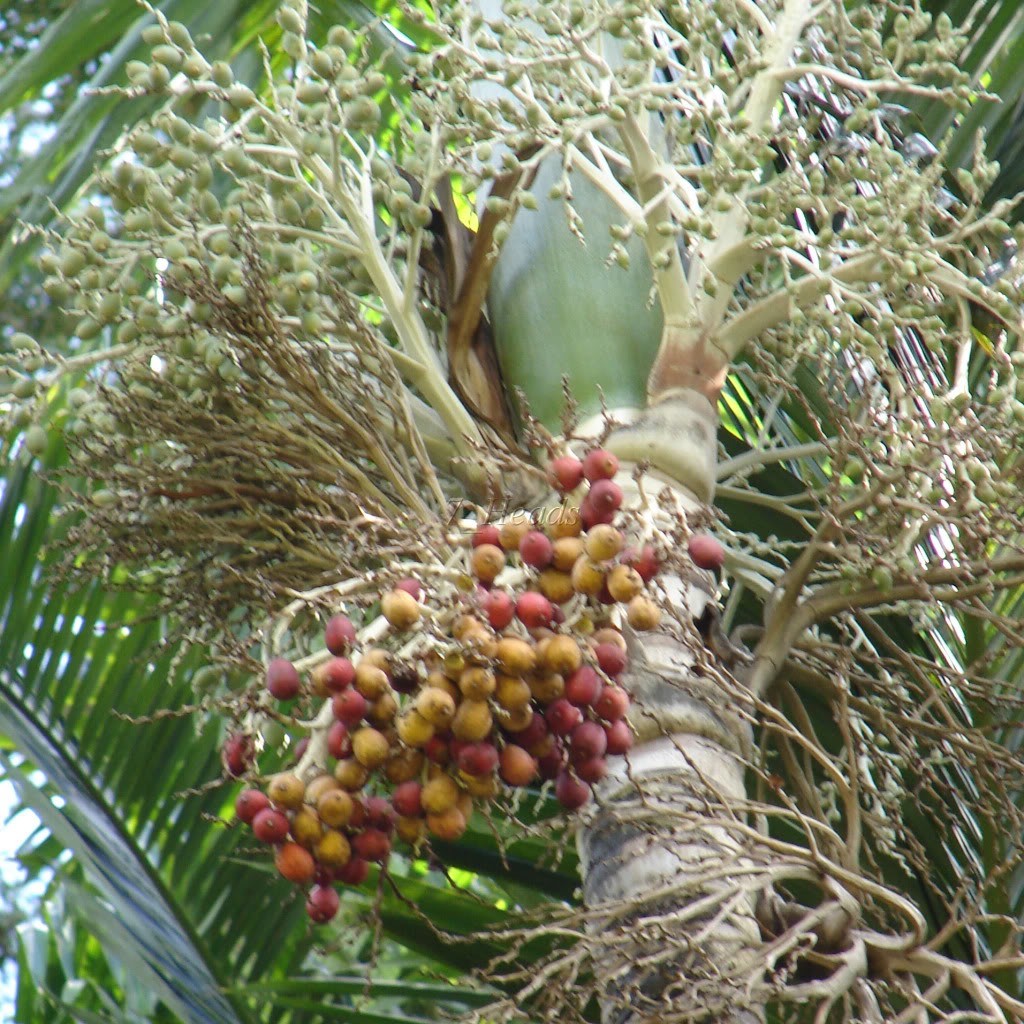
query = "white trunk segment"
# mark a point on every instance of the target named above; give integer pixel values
(666, 881)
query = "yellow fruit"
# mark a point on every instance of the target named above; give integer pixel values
(486, 562)
(371, 681)
(436, 706)
(547, 687)
(286, 790)
(370, 747)
(400, 608)
(439, 794)
(642, 613)
(306, 827)
(442, 682)
(624, 583)
(512, 692)
(333, 849)
(565, 522)
(378, 657)
(335, 808)
(382, 712)
(413, 729)
(477, 683)
(562, 654)
(484, 786)
(512, 532)
(565, 551)
(466, 625)
(320, 785)
(587, 576)
(515, 656)
(514, 719)
(556, 586)
(403, 766)
(351, 774)
(450, 825)
(603, 541)
(412, 830)
(472, 721)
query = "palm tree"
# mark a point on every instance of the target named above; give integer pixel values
(765, 844)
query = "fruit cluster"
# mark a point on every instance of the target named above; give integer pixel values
(509, 684)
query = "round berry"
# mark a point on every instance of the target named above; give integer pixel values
(237, 754)
(611, 658)
(706, 552)
(486, 534)
(270, 825)
(619, 736)
(600, 464)
(322, 903)
(583, 686)
(612, 703)
(563, 717)
(570, 791)
(566, 473)
(536, 549)
(534, 610)
(282, 680)
(499, 608)
(338, 673)
(588, 740)
(249, 803)
(339, 634)
(411, 587)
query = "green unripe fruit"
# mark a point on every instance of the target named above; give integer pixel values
(22, 342)
(37, 440)
(234, 293)
(338, 35)
(294, 45)
(127, 332)
(25, 387)
(72, 262)
(241, 96)
(104, 498)
(180, 35)
(109, 306)
(168, 56)
(57, 289)
(311, 92)
(87, 328)
(137, 72)
(153, 35)
(195, 66)
(78, 397)
(159, 76)
(222, 74)
(322, 64)
(290, 20)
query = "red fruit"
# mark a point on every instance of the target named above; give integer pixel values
(456, 747)
(583, 686)
(706, 552)
(550, 764)
(535, 549)
(436, 749)
(380, 814)
(557, 615)
(646, 562)
(340, 634)
(588, 740)
(282, 680)
(322, 903)
(358, 816)
(499, 608)
(604, 497)
(324, 875)
(270, 825)
(486, 534)
(589, 516)
(518, 767)
(300, 747)
(354, 872)
(611, 658)
(612, 703)
(620, 737)
(236, 755)
(533, 609)
(295, 863)
(570, 791)
(478, 758)
(563, 717)
(533, 733)
(592, 770)
(338, 674)
(372, 844)
(349, 707)
(566, 472)
(410, 586)
(339, 743)
(600, 464)
(249, 803)
(406, 799)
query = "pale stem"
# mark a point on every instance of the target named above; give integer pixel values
(766, 457)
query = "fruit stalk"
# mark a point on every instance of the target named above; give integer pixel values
(658, 853)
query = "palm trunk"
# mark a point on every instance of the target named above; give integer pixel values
(674, 926)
